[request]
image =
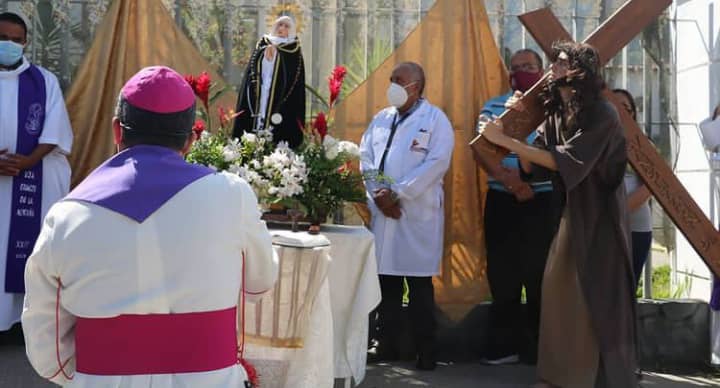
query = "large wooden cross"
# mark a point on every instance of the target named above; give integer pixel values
(609, 39)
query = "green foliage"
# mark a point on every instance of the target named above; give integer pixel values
(362, 62)
(661, 285)
(330, 182)
(205, 24)
(316, 94)
(48, 38)
(378, 177)
(209, 151)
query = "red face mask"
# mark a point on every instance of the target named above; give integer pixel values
(523, 81)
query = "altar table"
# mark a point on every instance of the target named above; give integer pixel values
(313, 327)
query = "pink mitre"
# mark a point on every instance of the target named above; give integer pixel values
(159, 89)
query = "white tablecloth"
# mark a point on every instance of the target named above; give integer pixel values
(336, 340)
(354, 293)
(276, 322)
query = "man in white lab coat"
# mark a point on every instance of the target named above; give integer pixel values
(136, 275)
(410, 144)
(35, 137)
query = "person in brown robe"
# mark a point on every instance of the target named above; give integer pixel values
(587, 328)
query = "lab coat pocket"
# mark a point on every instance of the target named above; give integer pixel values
(423, 207)
(420, 142)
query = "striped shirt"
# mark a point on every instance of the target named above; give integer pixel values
(492, 109)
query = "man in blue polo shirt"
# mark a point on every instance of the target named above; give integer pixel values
(520, 221)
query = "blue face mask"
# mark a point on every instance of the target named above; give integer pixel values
(10, 52)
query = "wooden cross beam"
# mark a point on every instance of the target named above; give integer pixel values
(609, 39)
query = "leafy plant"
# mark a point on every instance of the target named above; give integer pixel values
(661, 285)
(362, 62)
(332, 178)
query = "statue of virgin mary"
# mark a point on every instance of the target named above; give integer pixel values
(273, 91)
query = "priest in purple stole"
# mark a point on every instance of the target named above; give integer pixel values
(35, 137)
(136, 275)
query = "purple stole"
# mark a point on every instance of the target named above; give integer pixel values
(26, 206)
(138, 181)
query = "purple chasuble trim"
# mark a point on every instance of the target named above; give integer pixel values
(138, 181)
(715, 297)
(26, 205)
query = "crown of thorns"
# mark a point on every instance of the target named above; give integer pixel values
(584, 57)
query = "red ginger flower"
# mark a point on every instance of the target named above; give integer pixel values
(334, 85)
(320, 125)
(202, 87)
(198, 127)
(339, 72)
(335, 82)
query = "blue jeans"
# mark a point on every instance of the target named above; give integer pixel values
(641, 242)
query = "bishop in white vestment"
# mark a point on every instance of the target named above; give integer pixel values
(137, 273)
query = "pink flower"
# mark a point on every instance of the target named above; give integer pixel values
(320, 125)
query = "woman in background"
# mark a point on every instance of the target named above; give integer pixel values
(638, 204)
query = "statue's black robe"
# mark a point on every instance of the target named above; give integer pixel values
(287, 94)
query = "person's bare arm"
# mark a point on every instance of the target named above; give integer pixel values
(637, 198)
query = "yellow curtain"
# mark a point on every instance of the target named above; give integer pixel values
(134, 34)
(455, 46)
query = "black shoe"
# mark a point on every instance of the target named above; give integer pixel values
(381, 353)
(13, 336)
(426, 361)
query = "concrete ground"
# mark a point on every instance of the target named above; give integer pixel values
(16, 372)
(472, 374)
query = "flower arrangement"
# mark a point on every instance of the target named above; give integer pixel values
(316, 178)
(275, 173)
(333, 175)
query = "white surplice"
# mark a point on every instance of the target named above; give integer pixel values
(416, 163)
(185, 257)
(56, 169)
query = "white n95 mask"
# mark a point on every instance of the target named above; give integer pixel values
(397, 95)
